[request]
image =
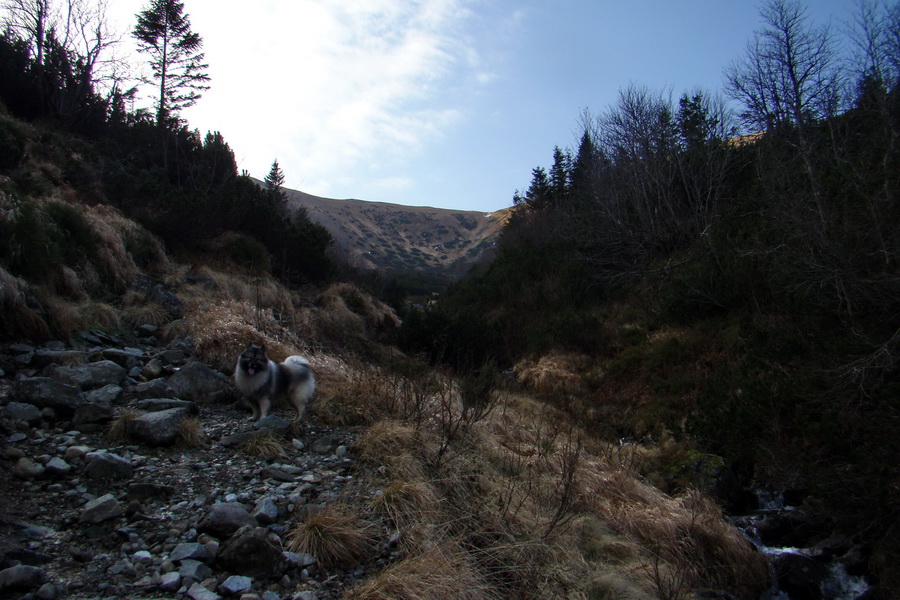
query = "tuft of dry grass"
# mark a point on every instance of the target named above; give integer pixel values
(407, 502)
(334, 535)
(191, 434)
(554, 373)
(18, 319)
(118, 429)
(148, 313)
(266, 445)
(386, 439)
(436, 574)
(361, 399)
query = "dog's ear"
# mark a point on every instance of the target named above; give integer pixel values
(249, 345)
(263, 348)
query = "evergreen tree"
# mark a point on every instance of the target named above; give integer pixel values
(163, 31)
(275, 181)
(559, 175)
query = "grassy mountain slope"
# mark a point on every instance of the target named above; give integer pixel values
(395, 238)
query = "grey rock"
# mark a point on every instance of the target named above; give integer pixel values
(323, 445)
(158, 404)
(23, 411)
(90, 376)
(198, 382)
(254, 552)
(106, 465)
(106, 395)
(152, 369)
(21, 578)
(198, 592)
(155, 388)
(48, 591)
(157, 293)
(224, 518)
(101, 509)
(299, 560)
(46, 356)
(25, 468)
(194, 569)
(170, 582)
(157, 428)
(141, 491)
(305, 596)
(125, 357)
(57, 467)
(235, 584)
(173, 356)
(93, 413)
(273, 423)
(45, 392)
(237, 439)
(266, 511)
(190, 550)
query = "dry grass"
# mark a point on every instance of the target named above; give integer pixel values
(118, 429)
(440, 573)
(19, 321)
(334, 535)
(266, 445)
(359, 399)
(407, 502)
(191, 434)
(554, 373)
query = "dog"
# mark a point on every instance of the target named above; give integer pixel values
(262, 380)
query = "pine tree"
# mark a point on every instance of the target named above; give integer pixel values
(163, 31)
(275, 179)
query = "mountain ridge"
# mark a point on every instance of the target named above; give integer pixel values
(394, 238)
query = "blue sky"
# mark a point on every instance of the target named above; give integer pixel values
(445, 103)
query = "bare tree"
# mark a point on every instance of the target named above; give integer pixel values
(789, 79)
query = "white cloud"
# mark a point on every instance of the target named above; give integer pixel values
(341, 92)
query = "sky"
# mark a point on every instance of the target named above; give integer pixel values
(443, 103)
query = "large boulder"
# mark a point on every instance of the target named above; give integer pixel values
(224, 518)
(45, 392)
(158, 428)
(253, 552)
(200, 383)
(90, 376)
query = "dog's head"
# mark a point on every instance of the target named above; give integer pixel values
(253, 359)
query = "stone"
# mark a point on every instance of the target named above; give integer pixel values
(307, 595)
(101, 509)
(200, 383)
(25, 468)
(157, 428)
(124, 357)
(57, 467)
(273, 423)
(90, 376)
(198, 592)
(153, 369)
(224, 518)
(235, 585)
(48, 591)
(157, 293)
(93, 413)
(323, 445)
(44, 392)
(21, 578)
(194, 569)
(190, 550)
(299, 560)
(158, 404)
(142, 491)
(266, 511)
(155, 388)
(23, 411)
(170, 582)
(107, 394)
(254, 552)
(799, 576)
(44, 357)
(106, 465)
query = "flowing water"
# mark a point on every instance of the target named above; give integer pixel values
(837, 584)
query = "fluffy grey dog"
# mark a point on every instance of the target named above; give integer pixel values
(262, 380)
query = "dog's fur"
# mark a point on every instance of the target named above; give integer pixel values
(262, 380)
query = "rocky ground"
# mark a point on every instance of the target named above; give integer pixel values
(175, 506)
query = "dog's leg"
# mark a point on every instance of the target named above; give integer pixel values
(254, 407)
(265, 403)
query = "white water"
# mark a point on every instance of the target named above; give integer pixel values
(839, 586)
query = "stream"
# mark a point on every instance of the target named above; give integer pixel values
(822, 571)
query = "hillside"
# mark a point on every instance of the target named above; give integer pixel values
(393, 238)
